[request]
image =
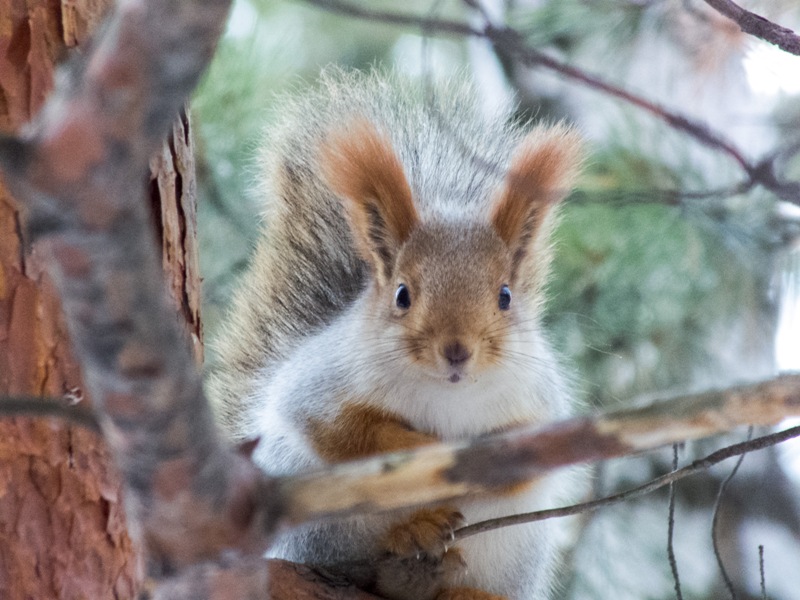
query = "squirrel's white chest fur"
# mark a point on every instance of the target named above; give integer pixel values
(333, 365)
(342, 363)
(507, 395)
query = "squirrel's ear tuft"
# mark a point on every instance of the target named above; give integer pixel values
(360, 165)
(542, 172)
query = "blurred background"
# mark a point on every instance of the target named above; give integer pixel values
(675, 269)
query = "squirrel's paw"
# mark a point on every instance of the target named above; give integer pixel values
(467, 594)
(428, 532)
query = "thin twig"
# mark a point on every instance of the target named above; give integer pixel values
(749, 22)
(395, 18)
(655, 195)
(761, 572)
(673, 563)
(695, 467)
(430, 23)
(511, 43)
(32, 406)
(715, 521)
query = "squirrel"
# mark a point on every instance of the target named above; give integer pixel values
(394, 301)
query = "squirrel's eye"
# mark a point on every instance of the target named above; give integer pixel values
(402, 298)
(504, 300)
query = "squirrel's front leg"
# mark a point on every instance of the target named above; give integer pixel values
(416, 561)
(360, 430)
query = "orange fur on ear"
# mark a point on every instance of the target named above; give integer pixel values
(541, 173)
(359, 164)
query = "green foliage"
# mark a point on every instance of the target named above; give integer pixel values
(641, 289)
(637, 293)
(567, 24)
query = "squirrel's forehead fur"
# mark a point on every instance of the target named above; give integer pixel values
(454, 257)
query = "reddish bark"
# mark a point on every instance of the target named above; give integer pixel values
(258, 578)
(173, 196)
(78, 168)
(62, 526)
(299, 582)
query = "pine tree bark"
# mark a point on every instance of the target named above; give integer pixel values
(62, 524)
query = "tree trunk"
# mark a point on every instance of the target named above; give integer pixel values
(62, 525)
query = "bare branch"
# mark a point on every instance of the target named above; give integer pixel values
(512, 44)
(446, 471)
(715, 521)
(697, 466)
(80, 171)
(23, 406)
(784, 38)
(673, 562)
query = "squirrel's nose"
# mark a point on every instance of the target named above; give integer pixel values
(456, 354)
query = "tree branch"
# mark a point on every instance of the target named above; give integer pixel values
(749, 22)
(715, 521)
(446, 471)
(695, 467)
(384, 480)
(511, 43)
(488, 463)
(79, 171)
(24, 406)
(673, 562)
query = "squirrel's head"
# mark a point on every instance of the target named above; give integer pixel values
(457, 291)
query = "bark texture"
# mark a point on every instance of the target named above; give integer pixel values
(258, 579)
(62, 525)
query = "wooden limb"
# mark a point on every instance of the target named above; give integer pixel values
(55, 409)
(696, 467)
(441, 472)
(749, 22)
(257, 578)
(80, 171)
(510, 43)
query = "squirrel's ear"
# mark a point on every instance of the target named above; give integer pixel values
(542, 171)
(359, 164)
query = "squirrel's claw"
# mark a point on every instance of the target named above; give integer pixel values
(428, 532)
